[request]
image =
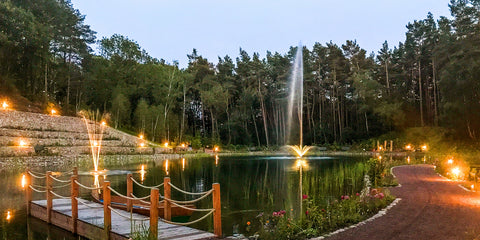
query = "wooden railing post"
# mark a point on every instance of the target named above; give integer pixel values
(75, 171)
(73, 196)
(107, 214)
(217, 214)
(154, 197)
(167, 211)
(49, 188)
(129, 192)
(28, 191)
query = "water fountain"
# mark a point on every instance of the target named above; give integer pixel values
(295, 104)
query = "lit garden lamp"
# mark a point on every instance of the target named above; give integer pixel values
(142, 144)
(9, 216)
(216, 149)
(165, 144)
(24, 181)
(5, 105)
(104, 123)
(408, 147)
(456, 172)
(183, 145)
(424, 147)
(408, 159)
(22, 143)
(450, 161)
(53, 112)
(140, 136)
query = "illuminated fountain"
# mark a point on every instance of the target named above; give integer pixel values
(295, 105)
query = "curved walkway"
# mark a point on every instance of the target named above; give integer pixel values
(431, 208)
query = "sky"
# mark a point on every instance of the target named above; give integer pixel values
(170, 29)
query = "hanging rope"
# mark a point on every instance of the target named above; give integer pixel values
(140, 199)
(59, 180)
(191, 201)
(36, 176)
(128, 217)
(188, 223)
(88, 205)
(62, 186)
(37, 173)
(38, 186)
(121, 195)
(191, 209)
(58, 195)
(90, 188)
(185, 192)
(149, 187)
(36, 190)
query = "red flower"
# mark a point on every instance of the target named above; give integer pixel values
(358, 194)
(304, 196)
(306, 212)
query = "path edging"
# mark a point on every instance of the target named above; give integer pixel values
(379, 214)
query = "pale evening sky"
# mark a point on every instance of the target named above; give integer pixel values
(171, 29)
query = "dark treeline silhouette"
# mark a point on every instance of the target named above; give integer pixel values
(430, 79)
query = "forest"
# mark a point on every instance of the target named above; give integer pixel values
(432, 79)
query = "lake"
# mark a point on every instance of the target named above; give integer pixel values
(250, 185)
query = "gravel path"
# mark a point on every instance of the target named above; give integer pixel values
(431, 208)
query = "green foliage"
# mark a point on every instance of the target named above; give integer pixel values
(377, 170)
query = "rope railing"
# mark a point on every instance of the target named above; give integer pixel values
(36, 190)
(37, 173)
(38, 186)
(128, 217)
(185, 192)
(190, 201)
(36, 176)
(189, 223)
(192, 209)
(141, 185)
(59, 180)
(86, 204)
(62, 186)
(58, 195)
(89, 188)
(123, 196)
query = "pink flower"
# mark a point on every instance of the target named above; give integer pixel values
(358, 194)
(374, 191)
(381, 196)
(346, 197)
(306, 212)
(304, 196)
(342, 197)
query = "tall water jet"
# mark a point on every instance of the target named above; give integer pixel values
(295, 105)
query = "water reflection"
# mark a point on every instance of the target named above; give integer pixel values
(142, 173)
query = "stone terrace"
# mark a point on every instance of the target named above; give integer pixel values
(59, 135)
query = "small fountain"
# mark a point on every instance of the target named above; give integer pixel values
(295, 104)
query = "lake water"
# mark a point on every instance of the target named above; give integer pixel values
(249, 186)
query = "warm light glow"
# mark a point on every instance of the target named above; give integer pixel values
(183, 145)
(166, 166)
(9, 215)
(299, 150)
(456, 172)
(104, 123)
(408, 159)
(301, 163)
(24, 181)
(183, 164)
(53, 111)
(142, 173)
(216, 159)
(408, 147)
(216, 149)
(165, 144)
(22, 143)
(380, 148)
(379, 157)
(96, 182)
(472, 186)
(424, 147)
(5, 105)
(141, 136)
(95, 143)
(142, 144)
(450, 161)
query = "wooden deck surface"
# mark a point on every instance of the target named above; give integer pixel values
(120, 226)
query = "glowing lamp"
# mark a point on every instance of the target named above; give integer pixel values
(379, 157)
(166, 144)
(95, 143)
(380, 148)
(456, 171)
(24, 181)
(53, 112)
(472, 186)
(408, 147)
(142, 144)
(22, 143)
(140, 136)
(104, 123)
(450, 161)
(5, 105)
(183, 145)
(424, 147)
(216, 149)
(9, 216)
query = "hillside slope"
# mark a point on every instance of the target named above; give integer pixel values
(58, 135)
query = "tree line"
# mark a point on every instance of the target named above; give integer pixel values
(430, 79)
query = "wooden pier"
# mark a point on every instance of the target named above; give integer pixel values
(101, 221)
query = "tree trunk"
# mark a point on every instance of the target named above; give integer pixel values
(421, 93)
(435, 106)
(256, 130)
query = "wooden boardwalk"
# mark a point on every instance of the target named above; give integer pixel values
(90, 221)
